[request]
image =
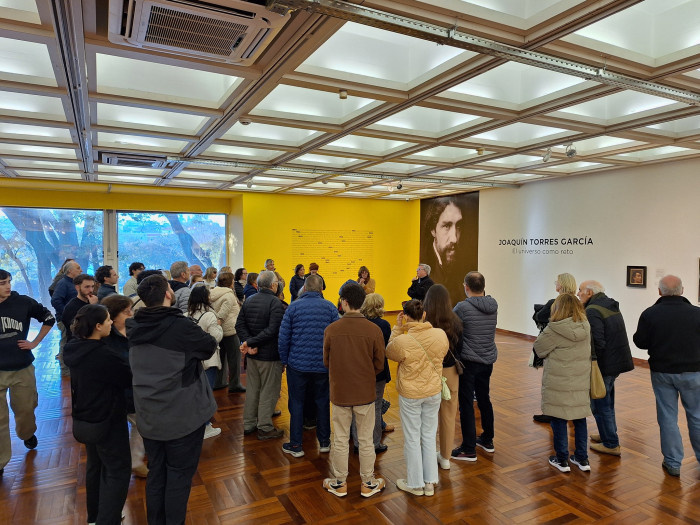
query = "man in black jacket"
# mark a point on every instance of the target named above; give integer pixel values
(16, 369)
(85, 286)
(172, 397)
(421, 282)
(612, 349)
(670, 332)
(258, 327)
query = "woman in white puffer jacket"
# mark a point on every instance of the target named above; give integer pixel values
(200, 310)
(224, 302)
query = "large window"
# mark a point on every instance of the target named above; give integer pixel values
(35, 242)
(159, 239)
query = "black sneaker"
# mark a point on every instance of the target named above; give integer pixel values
(560, 464)
(486, 445)
(583, 464)
(31, 443)
(541, 418)
(249, 431)
(460, 455)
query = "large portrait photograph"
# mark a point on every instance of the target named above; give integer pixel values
(450, 239)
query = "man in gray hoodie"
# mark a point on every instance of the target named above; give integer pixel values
(172, 397)
(478, 313)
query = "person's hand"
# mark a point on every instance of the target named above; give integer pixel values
(400, 320)
(92, 299)
(415, 278)
(244, 348)
(26, 345)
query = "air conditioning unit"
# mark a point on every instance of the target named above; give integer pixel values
(231, 31)
(133, 160)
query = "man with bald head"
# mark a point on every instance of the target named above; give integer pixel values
(670, 331)
(612, 350)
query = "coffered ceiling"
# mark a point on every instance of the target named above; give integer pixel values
(420, 119)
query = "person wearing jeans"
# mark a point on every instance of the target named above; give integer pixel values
(612, 350)
(565, 346)
(301, 351)
(419, 349)
(668, 330)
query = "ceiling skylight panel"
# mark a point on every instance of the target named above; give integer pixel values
(425, 119)
(23, 104)
(353, 50)
(36, 151)
(153, 81)
(131, 117)
(519, 132)
(35, 132)
(139, 142)
(20, 10)
(234, 153)
(618, 105)
(292, 100)
(26, 62)
(325, 161)
(368, 144)
(270, 134)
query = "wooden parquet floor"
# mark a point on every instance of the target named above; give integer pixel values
(243, 480)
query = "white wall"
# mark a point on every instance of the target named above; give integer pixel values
(647, 216)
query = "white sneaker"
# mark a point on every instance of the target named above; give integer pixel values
(210, 431)
(444, 463)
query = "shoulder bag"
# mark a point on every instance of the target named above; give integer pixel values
(597, 384)
(445, 391)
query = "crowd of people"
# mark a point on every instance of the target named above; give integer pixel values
(143, 366)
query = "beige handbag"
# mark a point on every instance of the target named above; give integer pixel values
(597, 383)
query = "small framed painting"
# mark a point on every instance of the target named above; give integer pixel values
(637, 276)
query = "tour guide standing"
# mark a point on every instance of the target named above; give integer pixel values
(16, 368)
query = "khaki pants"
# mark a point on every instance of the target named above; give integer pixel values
(264, 381)
(364, 419)
(23, 400)
(448, 413)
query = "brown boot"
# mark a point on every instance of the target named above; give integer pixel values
(599, 447)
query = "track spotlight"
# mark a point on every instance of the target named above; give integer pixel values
(343, 94)
(399, 186)
(479, 151)
(324, 181)
(547, 155)
(249, 184)
(570, 150)
(245, 121)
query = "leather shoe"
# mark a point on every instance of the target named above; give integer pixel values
(599, 447)
(237, 390)
(541, 418)
(381, 448)
(595, 438)
(274, 433)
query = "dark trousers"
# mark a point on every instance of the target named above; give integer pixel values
(171, 466)
(108, 474)
(230, 372)
(299, 384)
(560, 438)
(475, 380)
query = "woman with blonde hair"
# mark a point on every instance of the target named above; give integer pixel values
(419, 349)
(565, 283)
(210, 277)
(566, 344)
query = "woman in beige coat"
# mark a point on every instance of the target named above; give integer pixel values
(419, 349)
(225, 304)
(565, 345)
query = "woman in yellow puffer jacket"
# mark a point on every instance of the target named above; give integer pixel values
(419, 349)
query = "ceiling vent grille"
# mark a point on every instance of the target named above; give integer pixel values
(230, 31)
(133, 161)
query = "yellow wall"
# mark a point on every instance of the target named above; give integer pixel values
(86, 195)
(269, 219)
(260, 225)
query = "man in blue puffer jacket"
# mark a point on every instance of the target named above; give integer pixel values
(301, 351)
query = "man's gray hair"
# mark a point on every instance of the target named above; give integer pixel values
(178, 269)
(670, 285)
(69, 266)
(313, 283)
(268, 261)
(426, 267)
(595, 287)
(265, 279)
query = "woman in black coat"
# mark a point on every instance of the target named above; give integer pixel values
(99, 376)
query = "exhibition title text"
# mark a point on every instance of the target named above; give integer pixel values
(562, 241)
